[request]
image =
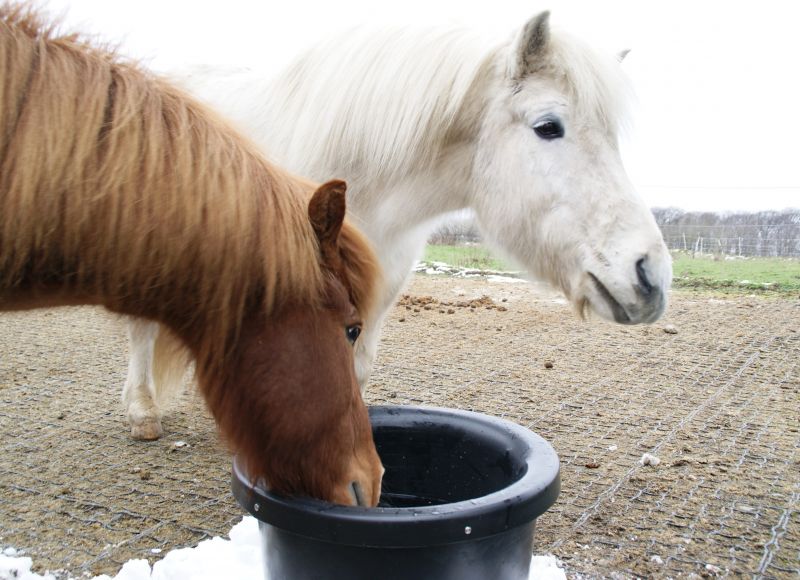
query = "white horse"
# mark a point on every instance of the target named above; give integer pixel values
(525, 134)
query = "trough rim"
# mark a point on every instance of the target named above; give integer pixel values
(519, 503)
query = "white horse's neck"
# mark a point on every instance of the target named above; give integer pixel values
(400, 220)
(417, 199)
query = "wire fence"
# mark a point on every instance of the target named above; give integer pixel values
(764, 234)
(757, 240)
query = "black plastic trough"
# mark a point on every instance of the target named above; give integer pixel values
(462, 492)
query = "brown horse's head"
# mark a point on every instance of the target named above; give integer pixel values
(298, 418)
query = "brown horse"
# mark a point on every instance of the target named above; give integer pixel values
(119, 190)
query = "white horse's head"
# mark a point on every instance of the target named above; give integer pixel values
(551, 188)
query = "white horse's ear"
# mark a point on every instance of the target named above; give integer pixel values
(622, 54)
(532, 44)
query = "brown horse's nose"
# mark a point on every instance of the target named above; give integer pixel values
(359, 497)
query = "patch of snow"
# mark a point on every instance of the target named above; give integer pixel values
(612, 447)
(648, 459)
(131, 570)
(657, 560)
(546, 568)
(13, 567)
(240, 557)
(458, 272)
(505, 279)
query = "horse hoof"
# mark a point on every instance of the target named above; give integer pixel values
(148, 430)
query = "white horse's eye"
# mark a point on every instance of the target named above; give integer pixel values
(353, 332)
(549, 128)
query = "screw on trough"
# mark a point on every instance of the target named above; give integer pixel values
(256, 507)
(467, 530)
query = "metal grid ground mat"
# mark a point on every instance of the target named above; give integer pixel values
(715, 401)
(76, 493)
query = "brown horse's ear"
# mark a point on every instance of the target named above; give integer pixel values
(326, 212)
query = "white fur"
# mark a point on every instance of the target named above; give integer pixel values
(424, 122)
(158, 362)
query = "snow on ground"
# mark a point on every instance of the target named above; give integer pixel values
(433, 268)
(239, 557)
(17, 567)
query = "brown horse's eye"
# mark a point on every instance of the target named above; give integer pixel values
(353, 332)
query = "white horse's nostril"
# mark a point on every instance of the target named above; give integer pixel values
(645, 287)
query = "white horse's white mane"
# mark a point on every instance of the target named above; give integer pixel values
(392, 97)
(389, 97)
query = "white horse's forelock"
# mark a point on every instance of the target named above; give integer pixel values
(596, 81)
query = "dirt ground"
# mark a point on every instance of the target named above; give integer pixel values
(717, 400)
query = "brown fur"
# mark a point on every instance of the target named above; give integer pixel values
(118, 189)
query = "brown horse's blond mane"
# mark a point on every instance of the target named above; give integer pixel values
(143, 198)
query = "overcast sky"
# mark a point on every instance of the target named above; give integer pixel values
(717, 125)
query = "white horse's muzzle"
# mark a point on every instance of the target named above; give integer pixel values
(642, 298)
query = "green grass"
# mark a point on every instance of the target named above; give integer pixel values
(474, 256)
(762, 275)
